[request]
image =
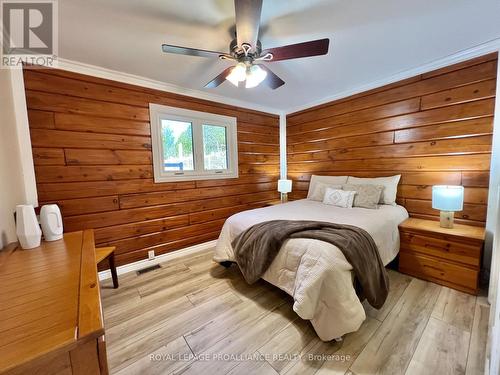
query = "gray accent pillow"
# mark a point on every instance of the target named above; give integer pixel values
(367, 196)
(390, 185)
(318, 191)
(328, 180)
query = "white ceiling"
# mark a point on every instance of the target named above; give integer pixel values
(370, 40)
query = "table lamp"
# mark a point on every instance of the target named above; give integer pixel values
(284, 187)
(448, 199)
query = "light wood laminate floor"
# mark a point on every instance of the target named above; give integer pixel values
(192, 316)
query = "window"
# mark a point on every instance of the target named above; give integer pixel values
(192, 145)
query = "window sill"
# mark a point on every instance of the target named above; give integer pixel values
(192, 177)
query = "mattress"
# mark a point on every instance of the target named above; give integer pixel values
(315, 273)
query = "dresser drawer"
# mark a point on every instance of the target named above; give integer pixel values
(458, 252)
(439, 271)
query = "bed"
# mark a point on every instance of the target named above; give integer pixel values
(315, 273)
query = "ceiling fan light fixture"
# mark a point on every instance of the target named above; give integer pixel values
(238, 74)
(255, 76)
(246, 49)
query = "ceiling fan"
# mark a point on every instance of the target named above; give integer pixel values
(247, 51)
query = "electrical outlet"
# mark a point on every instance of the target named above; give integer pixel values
(151, 254)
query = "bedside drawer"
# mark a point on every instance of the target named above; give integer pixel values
(438, 271)
(442, 248)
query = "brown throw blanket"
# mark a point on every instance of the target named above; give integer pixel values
(256, 248)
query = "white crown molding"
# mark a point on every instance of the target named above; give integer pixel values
(114, 75)
(103, 275)
(470, 53)
(96, 71)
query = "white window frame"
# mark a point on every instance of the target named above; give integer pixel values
(197, 119)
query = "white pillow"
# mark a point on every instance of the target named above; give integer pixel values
(340, 198)
(318, 192)
(390, 185)
(328, 180)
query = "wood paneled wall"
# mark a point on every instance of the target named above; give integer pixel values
(435, 128)
(92, 152)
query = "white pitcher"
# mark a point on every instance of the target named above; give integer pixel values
(27, 227)
(51, 220)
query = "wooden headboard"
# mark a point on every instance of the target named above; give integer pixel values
(435, 128)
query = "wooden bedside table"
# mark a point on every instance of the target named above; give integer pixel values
(450, 257)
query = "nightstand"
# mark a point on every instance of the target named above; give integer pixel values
(450, 257)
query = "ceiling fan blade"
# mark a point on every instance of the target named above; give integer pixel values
(167, 48)
(219, 79)
(272, 80)
(247, 21)
(295, 51)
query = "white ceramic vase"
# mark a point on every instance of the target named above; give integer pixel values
(51, 222)
(27, 228)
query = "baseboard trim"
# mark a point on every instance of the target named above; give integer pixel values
(103, 275)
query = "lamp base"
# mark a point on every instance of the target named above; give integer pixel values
(446, 219)
(284, 197)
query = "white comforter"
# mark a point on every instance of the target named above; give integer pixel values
(315, 273)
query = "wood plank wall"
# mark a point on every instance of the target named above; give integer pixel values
(435, 128)
(92, 152)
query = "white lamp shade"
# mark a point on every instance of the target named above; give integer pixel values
(255, 76)
(284, 186)
(448, 198)
(238, 74)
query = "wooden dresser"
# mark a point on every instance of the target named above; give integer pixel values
(450, 257)
(50, 309)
